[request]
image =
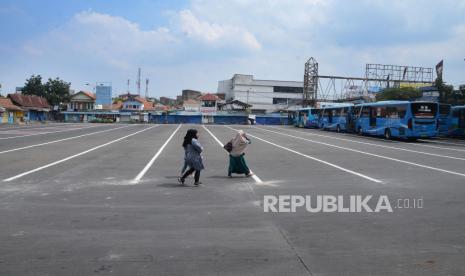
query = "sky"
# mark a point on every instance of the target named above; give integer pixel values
(192, 44)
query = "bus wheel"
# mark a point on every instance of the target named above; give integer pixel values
(338, 128)
(387, 134)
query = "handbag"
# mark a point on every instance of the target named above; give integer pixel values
(228, 146)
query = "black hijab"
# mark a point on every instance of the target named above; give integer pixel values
(191, 133)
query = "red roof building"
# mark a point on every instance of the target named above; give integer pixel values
(82, 100)
(208, 103)
(30, 102)
(208, 97)
(35, 108)
(7, 105)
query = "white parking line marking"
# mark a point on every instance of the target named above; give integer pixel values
(371, 154)
(441, 142)
(376, 145)
(61, 140)
(6, 128)
(75, 155)
(150, 163)
(254, 176)
(436, 147)
(41, 133)
(315, 159)
(386, 141)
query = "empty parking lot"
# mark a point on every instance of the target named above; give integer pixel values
(84, 199)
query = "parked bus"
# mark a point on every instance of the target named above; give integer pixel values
(444, 118)
(307, 117)
(401, 119)
(457, 122)
(339, 118)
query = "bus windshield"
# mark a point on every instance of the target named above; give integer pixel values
(424, 110)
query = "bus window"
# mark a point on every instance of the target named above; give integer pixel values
(461, 118)
(314, 111)
(391, 112)
(424, 110)
(365, 111)
(381, 112)
(373, 113)
(357, 111)
(344, 111)
(401, 110)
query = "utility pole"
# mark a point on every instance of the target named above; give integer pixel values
(146, 88)
(138, 81)
(248, 90)
(128, 86)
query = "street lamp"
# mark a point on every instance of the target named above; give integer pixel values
(92, 85)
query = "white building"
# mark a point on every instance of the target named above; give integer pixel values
(263, 95)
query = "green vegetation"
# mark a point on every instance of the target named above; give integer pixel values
(56, 91)
(401, 94)
(447, 94)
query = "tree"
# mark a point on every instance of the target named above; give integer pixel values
(401, 94)
(445, 91)
(34, 86)
(457, 97)
(57, 91)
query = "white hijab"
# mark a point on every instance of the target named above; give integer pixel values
(239, 144)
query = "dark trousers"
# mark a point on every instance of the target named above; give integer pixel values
(189, 172)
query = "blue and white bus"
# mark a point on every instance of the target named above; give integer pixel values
(444, 118)
(307, 117)
(401, 119)
(457, 122)
(337, 118)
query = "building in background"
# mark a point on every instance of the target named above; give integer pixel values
(81, 101)
(9, 112)
(103, 92)
(263, 95)
(208, 103)
(35, 108)
(221, 96)
(191, 106)
(188, 94)
(133, 103)
(233, 106)
(168, 101)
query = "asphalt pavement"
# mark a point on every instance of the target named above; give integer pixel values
(101, 199)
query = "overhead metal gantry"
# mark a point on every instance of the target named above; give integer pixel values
(377, 76)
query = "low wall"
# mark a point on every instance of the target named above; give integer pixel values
(271, 120)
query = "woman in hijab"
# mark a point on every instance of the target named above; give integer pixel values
(237, 162)
(193, 157)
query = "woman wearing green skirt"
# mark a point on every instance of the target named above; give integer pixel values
(237, 163)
